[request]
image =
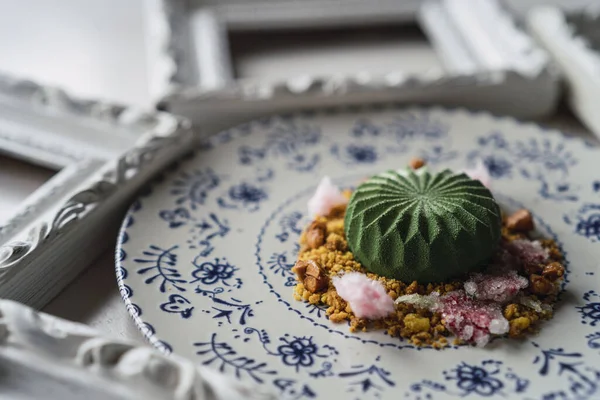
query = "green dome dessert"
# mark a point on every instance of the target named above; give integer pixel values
(415, 225)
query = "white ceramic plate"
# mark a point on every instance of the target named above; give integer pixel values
(205, 255)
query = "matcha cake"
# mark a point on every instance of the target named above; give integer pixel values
(415, 225)
(425, 256)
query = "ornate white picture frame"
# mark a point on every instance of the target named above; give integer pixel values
(42, 356)
(260, 14)
(521, 8)
(501, 70)
(568, 39)
(104, 152)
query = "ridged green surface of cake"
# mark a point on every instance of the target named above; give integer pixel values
(415, 225)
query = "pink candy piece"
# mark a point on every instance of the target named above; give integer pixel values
(326, 197)
(480, 173)
(471, 320)
(499, 287)
(528, 252)
(367, 298)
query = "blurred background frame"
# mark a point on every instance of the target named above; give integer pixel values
(573, 41)
(193, 72)
(101, 154)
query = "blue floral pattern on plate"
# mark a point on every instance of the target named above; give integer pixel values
(490, 378)
(193, 187)
(369, 142)
(546, 162)
(217, 271)
(590, 312)
(205, 256)
(586, 221)
(291, 142)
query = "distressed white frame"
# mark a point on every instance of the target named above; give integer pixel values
(44, 357)
(572, 53)
(261, 14)
(105, 152)
(521, 8)
(501, 70)
(169, 25)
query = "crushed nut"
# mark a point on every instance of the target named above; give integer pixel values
(416, 163)
(300, 269)
(511, 311)
(416, 324)
(553, 271)
(412, 288)
(337, 211)
(313, 269)
(518, 326)
(315, 234)
(553, 249)
(530, 269)
(423, 336)
(311, 275)
(336, 242)
(315, 285)
(520, 221)
(540, 285)
(338, 317)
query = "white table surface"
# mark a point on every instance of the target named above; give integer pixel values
(95, 48)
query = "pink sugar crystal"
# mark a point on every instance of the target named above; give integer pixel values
(500, 287)
(528, 252)
(480, 173)
(325, 198)
(471, 320)
(367, 298)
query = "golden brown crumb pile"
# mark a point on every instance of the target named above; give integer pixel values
(324, 254)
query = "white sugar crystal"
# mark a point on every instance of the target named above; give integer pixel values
(546, 307)
(470, 288)
(428, 302)
(467, 333)
(499, 326)
(535, 305)
(482, 340)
